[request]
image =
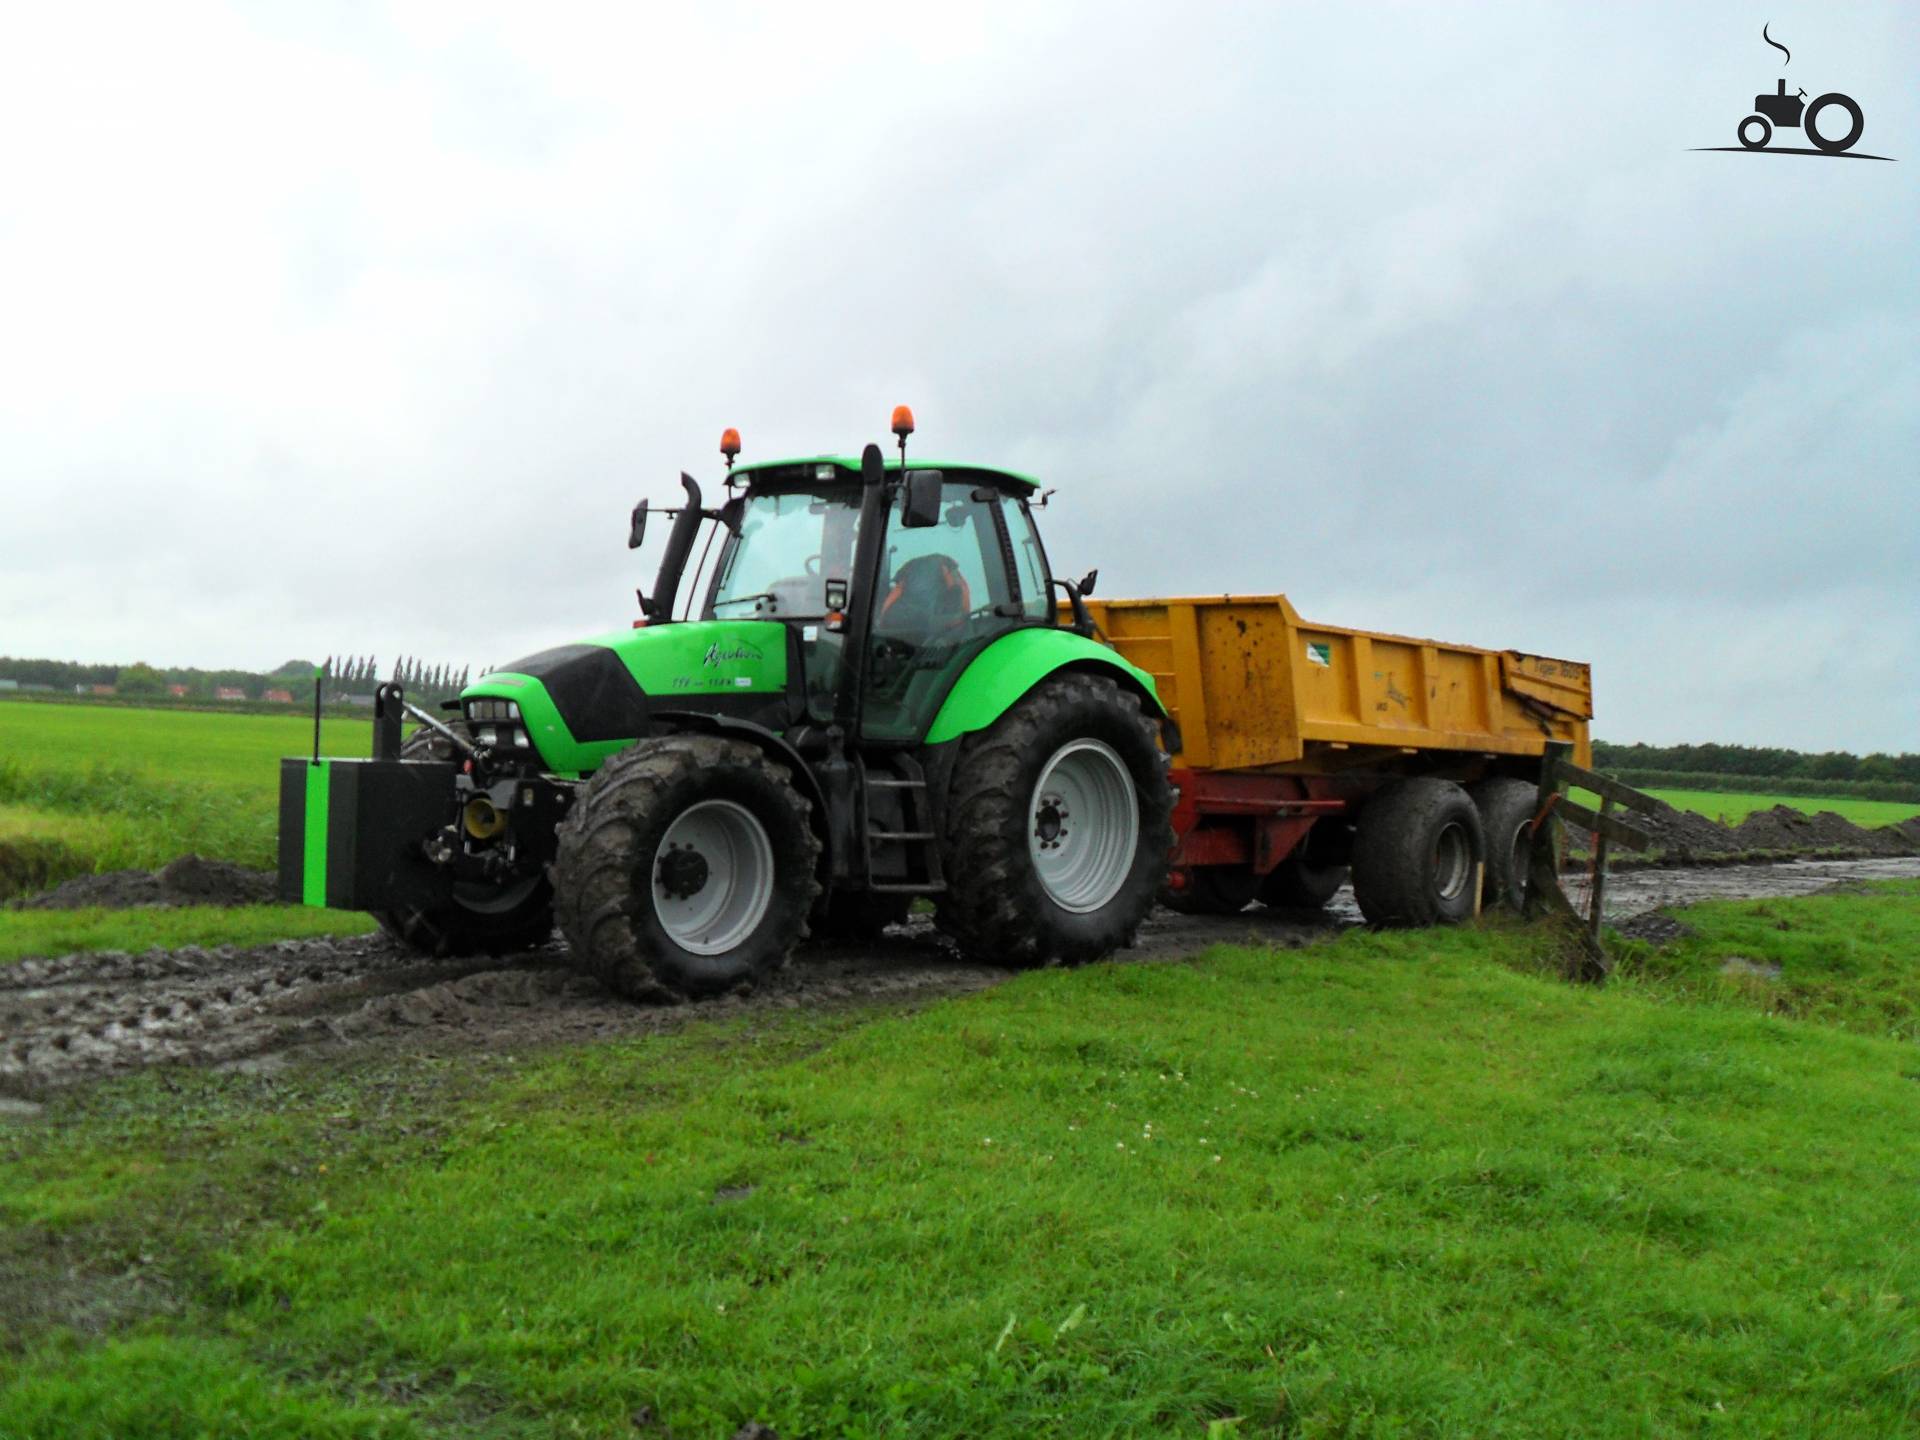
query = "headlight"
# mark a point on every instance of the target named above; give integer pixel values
(487, 735)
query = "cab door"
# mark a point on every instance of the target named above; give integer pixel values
(943, 593)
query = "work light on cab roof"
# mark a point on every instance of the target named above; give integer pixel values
(902, 427)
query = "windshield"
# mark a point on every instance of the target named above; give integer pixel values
(789, 547)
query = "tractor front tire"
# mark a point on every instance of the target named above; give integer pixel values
(1058, 831)
(478, 919)
(686, 868)
(1415, 850)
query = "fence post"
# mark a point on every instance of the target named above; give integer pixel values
(1601, 841)
(1543, 870)
(1585, 960)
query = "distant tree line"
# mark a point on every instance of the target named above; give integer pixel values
(346, 677)
(360, 674)
(1763, 768)
(1768, 761)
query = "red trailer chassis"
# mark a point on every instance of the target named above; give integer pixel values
(1225, 817)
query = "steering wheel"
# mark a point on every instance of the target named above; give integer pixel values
(890, 651)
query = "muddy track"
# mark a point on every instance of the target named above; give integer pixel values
(82, 1016)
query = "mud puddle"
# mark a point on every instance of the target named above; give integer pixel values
(1636, 891)
(78, 1017)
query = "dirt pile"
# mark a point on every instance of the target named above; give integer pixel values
(1682, 837)
(190, 880)
(1784, 828)
(1681, 834)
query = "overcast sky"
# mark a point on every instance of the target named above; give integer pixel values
(353, 328)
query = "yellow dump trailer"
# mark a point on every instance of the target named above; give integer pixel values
(1253, 686)
(1306, 750)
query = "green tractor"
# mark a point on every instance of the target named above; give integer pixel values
(875, 700)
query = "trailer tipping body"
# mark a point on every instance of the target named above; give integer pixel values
(1283, 723)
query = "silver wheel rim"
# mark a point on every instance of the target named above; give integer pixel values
(712, 877)
(1083, 825)
(1452, 861)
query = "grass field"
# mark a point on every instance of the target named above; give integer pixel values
(61, 932)
(116, 787)
(1731, 809)
(237, 754)
(1849, 961)
(1394, 1185)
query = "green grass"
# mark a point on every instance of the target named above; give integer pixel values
(60, 932)
(1731, 809)
(1849, 960)
(154, 784)
(40, 848)
(1393, 1185)
(237, 753)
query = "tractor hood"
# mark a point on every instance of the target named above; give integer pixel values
(580, 703)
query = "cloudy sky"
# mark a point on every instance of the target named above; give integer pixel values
(356, 328)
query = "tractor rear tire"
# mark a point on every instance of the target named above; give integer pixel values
(479, 919)
(1415, 850)
(1506, 807)
(1057, 832)
(687, 867)
(1213, 890)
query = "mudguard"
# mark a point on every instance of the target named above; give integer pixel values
(1014, 664)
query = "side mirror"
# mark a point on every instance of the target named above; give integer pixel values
(638, 531)
(920, 499)
(1087, 580)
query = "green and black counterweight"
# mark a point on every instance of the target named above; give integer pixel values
(866, 697)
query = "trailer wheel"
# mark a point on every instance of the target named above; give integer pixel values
(1298, 884)
(1057, 827)
(1213, 890)
(480, 919)
(1506, 807)
(685, 868)
(1415, 850)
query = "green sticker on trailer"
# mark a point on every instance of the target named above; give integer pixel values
(313, 857)
(1319, 652)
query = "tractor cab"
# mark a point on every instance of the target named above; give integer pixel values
(958, 564)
